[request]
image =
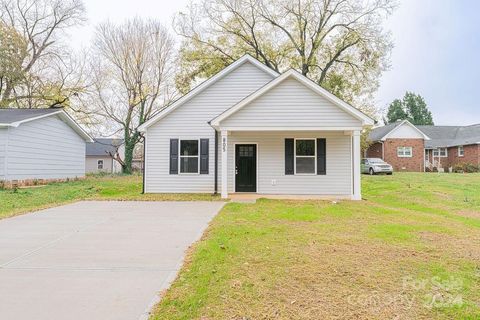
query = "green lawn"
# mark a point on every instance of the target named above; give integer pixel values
(410, 250)
(103, 187)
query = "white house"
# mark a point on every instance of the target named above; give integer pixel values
(40, 144)
(250, 129)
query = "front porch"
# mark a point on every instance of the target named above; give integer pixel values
(254, 164)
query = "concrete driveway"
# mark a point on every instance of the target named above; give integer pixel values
(95, 259)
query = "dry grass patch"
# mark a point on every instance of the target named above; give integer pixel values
(406, 252)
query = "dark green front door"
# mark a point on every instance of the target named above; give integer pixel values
(245, 168)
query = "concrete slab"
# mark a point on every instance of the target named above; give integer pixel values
(95, 259)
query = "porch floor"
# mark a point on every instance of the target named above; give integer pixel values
(252, 197)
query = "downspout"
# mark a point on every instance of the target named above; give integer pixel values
(383, 150)
(144, 157)
(5, 159)
(216, 163)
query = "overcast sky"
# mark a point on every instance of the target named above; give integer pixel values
(436, 54)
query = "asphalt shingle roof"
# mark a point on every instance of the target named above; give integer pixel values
(9, 116)
(440, 136)
(379, 132)
(102, 147)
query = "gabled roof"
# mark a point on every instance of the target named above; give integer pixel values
(103, 147)
(439, 136)
(450, 136)
(406, 123)
(379, 132)
(15, 117)
(382, 133)
(204, 85)
(366, 120)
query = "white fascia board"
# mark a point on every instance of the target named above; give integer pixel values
(17, 123)
(207, 83)
(366, 120)
(63, 115)
(220, 128)
(409, 124)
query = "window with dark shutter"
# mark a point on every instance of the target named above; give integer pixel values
(189, 156)
(289, 156)
(321, 156)
(173, 156)
(203, 156)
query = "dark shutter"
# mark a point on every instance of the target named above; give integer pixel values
(173, 156)
(203, 156)
(321, 156)
(289, 161)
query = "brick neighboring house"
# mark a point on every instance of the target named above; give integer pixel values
(425, 148)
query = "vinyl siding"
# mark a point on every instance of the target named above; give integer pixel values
(108, 165)
(3, 143)
(271, 164)
(190, 121)
(290, 104)
(46, 148)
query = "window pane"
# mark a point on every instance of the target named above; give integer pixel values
(305, 147)
(189, 165)
(189, 147)
(305, 165)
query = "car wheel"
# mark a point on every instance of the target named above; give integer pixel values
(389, 173)
(371, 172)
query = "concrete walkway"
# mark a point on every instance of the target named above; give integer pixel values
(95, 259)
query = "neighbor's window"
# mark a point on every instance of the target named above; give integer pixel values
(189, 156)
(305, 155)
(440, 152)
(404, 152)
(100, 164)
(461, 152)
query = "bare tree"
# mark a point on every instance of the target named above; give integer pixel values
(131, 69)
(44, 66)
(340, 44)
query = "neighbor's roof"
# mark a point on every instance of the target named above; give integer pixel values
(440, 136)
(9, 117)
(15, 117)
(379, 132)
(103, 147)
(450, 136)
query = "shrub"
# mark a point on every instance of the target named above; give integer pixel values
(465, 167)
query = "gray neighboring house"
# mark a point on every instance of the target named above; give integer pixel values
(40, 144)
(251, 129)
(99, 155)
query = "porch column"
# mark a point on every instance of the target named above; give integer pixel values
(224, 145)
(357, 194)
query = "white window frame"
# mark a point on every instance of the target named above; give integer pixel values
(461, 151)
(98, 164)
(437, 153)
(180, 156)
(401, 152)
(295, 157)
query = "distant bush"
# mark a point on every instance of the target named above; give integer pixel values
(465, 167)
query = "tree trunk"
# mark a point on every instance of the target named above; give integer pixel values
(127, 162)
